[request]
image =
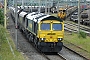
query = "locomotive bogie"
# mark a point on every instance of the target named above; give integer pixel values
(50, 47)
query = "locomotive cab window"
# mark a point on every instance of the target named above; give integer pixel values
(60, 10)
(57, 26)
(45, 26)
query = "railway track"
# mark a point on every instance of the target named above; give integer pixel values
(72, 27)
(69, 54)
(50, 56)
(55, 57)
(66, 54)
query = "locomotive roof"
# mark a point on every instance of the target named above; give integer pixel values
(37, 17)
(12, 8)
(22, 14)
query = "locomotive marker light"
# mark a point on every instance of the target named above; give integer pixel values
(42, 38)
(59, 39)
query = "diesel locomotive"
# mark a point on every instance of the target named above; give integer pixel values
(85, 17)
(62, 13)
(46, 32)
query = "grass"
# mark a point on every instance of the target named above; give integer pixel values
(5, 52)
(82, 42)
(79, 41)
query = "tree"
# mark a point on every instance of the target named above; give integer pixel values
(1, 17)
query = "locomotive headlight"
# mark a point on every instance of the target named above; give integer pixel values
(42, 39)
(59, 39)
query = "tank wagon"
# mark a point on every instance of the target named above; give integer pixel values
(74, 17)
(85, 17)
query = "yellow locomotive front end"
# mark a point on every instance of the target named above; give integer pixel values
(51, 34)
(62, 13)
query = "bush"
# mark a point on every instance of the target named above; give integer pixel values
(1, 17)
(82, 34)
(2, 35)
(0, 58)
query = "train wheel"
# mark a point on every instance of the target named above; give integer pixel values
(27, 36)
(89, 24)
(76, 21)
(38, 45)
(35, 42)
(31, 36)
(86, 24)
(29, 39)
(20, 29)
